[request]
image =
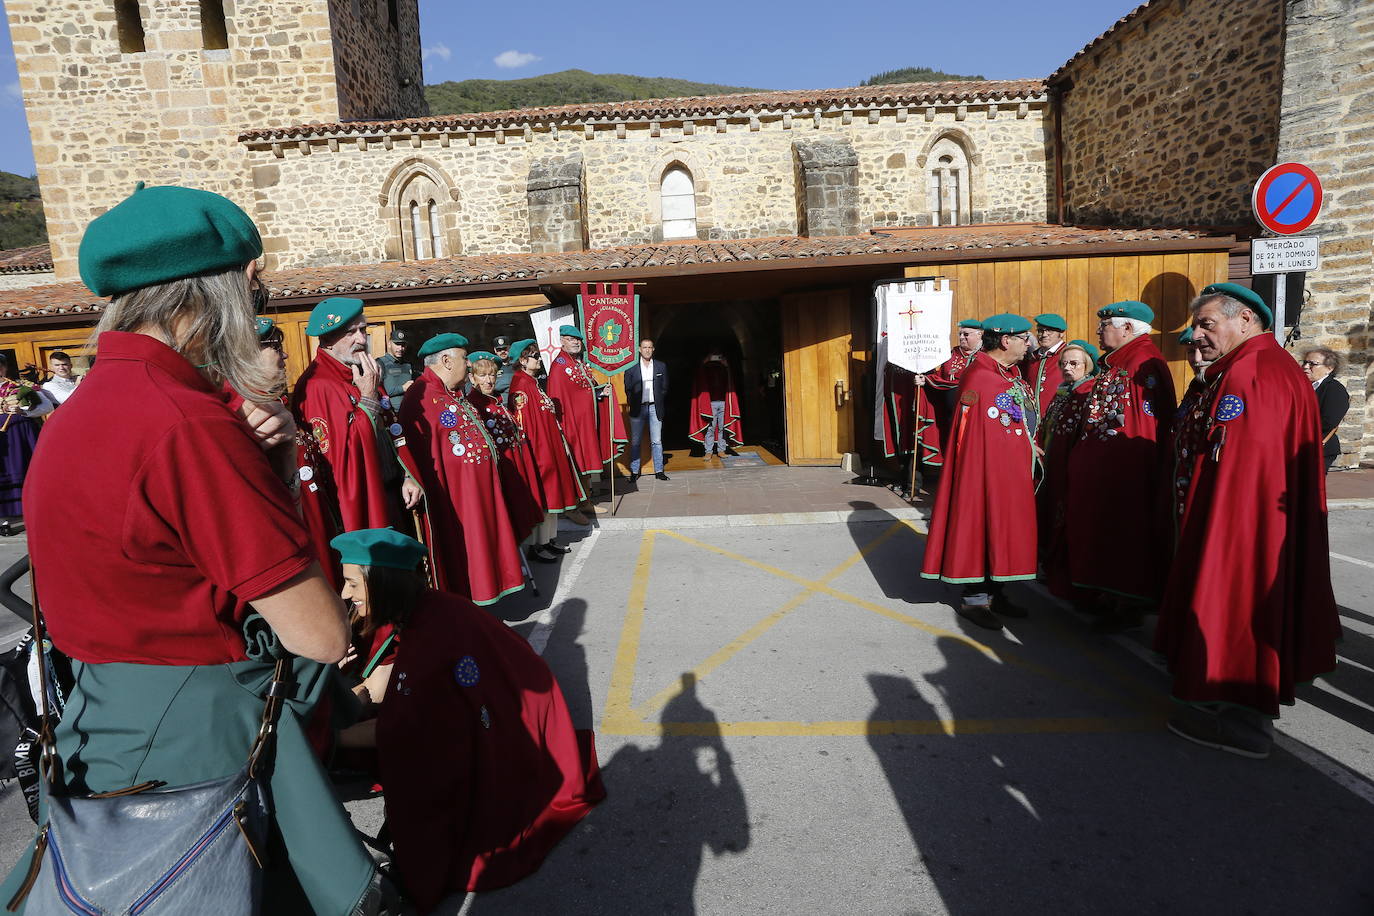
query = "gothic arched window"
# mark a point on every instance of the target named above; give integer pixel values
(436, 241)
(679, 204)
(947, 184)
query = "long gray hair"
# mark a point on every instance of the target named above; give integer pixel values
(219, 335)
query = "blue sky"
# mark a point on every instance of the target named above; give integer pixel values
(802, 44)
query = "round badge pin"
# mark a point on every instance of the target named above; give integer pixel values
(992, 413)
(307, 472)
(466, 672)
(453, 438)
(448, 419)
(1004, 419)
(459, 450)
(386, 402)
(1004, 401)
(395, 429)
(1229, 407)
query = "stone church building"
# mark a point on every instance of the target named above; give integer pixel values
(758, 222)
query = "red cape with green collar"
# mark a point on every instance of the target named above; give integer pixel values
(472, 545)
(701, 409)
(482, 769)
(537, 416)
(519, 474)
(584, 415)
(937, 407)
(1118, 467)
(1043, 377)
(1248, 611)
(983, 525)
(325, 404)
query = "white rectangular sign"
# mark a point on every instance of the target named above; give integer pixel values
(1286, 255)
(916, 318)
(545, 323)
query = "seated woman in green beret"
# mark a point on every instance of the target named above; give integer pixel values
(481, 768)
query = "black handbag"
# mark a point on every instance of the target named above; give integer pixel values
(150, 848)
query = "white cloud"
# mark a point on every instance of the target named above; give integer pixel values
(13, 93)
(440, 51)
(509, 60)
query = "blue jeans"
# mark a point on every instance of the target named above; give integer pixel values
(715, 432)
(649, 413)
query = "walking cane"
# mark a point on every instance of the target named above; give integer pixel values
(529, 576)
(429, 561)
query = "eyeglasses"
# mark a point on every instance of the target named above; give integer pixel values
(1308, 364)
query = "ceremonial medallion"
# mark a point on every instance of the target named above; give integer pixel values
(386, 402)
(992, 413)
(1004, 419)
(320, 430)
(459, 450)
(1004, 401)
(466, 672)
(453, 438)
(394, 429)
(969, 397)
(448, 419)
(306, 472)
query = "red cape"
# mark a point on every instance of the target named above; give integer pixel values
(1057, 432)
(701, 410)
(537, 416)
(583, 415)
(983, 526)
(1248, 611)
(519, 475)
(1043, 376)
(899, 411)
(473, 548)
(325, 404)
(482, 769)
(1120, 531)
(938, 402)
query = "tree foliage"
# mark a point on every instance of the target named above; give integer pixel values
(913, 75)
(21, 212)
(567, 87)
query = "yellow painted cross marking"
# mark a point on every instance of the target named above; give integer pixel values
(622, 718)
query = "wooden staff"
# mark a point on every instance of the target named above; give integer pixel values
(610, 443)
(915, 444)
(429, 555)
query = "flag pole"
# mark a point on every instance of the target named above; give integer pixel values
(915, 444)
(610, 446)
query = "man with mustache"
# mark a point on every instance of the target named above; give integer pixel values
(358, 448)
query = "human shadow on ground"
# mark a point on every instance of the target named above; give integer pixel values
(1040, 818)
(641, 850)
(1353, 676)
(524, 606)
(896, 564)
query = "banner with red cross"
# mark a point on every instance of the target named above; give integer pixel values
(609, 318)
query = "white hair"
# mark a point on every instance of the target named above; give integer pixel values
(437, 355)
(1138, 327)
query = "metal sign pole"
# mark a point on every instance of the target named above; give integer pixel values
(1280, 300)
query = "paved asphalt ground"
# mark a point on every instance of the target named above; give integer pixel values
(790, 721)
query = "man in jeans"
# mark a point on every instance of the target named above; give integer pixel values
(646, 389)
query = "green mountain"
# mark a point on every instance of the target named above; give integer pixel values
(21, 212)
(568, 87)
(914, 75)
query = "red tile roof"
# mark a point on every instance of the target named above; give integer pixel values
(897, 95)
(446, 274)
(33, 259)
(1124, 20)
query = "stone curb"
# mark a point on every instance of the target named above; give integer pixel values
(610, 523)
(1350, 504)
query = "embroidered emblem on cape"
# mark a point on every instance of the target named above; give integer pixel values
(486, 717)
(394, 429)
(969, 397)
(521, 399)
(448, 419)
(1004, 401)
(466, 672)
(1147, 407)
(1229, 407)
(992, 413)
(320, 430)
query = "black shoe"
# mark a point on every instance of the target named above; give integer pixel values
(555, 547)
(660, 476)
(538, 555)
(731, 452)
(981, 615)
(634, 477)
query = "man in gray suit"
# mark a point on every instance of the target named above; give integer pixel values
(646, 390)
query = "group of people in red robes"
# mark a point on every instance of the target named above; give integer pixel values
(1081, 468)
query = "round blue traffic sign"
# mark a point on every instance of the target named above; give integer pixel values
(1287, 198)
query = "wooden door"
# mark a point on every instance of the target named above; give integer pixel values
(817, 335)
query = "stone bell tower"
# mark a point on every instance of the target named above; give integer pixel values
(118, 91)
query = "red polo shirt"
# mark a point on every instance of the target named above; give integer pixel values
(153, 515)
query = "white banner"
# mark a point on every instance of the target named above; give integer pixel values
(916, 317)
(545, 323)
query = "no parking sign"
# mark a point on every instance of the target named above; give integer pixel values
(1287, 198)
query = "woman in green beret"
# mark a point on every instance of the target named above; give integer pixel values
(1057, 432)
(191, 571)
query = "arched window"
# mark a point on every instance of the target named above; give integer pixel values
(214, 31)
(417, 234)
(947, 184)
(679, 204)
(436, 242)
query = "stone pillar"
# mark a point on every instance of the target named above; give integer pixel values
(1327, 122)
(555, 198)
(829, 175)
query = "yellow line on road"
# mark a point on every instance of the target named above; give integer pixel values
(730, 649)
(862, 728)
(619, 697)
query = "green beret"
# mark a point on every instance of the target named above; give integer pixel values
(475, 355)
(379, 547)
(1246, 297)
(568, 330)
(157, 235)
(518, 348)
(264, 327)
(1006, 324)
(1186, 338)
(1093, 352)
(971, 323)
(1052, 321)
(440, 342)
(332, 314)
(1128, 309)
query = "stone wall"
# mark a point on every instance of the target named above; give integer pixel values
(555, 200)
(318, 198)
(102, 119)
(1328, 123)
(25, 279)
(830, 187)
(1171, 118)
(377, 63)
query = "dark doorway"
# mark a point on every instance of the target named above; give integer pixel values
(749, 333)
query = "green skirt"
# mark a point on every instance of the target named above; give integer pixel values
(125, 724)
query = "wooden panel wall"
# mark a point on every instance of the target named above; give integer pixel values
(816, 339)
(1076, 287)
